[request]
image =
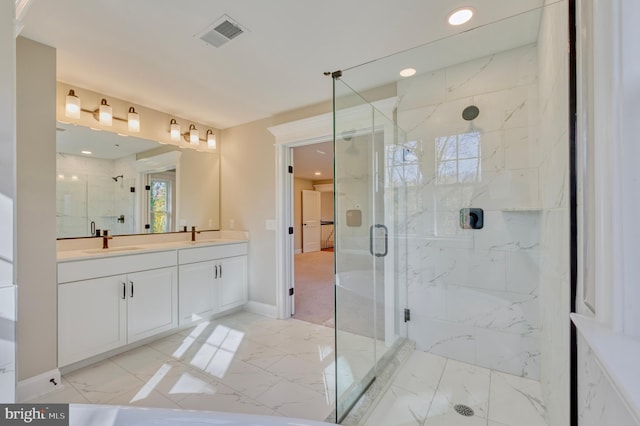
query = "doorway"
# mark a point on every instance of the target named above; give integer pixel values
(313, 261)
(160, 201)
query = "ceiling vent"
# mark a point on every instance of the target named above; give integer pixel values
(221, 32)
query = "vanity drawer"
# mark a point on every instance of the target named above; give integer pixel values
(202, 254)
(116, 265)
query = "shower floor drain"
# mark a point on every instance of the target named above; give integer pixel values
(463, 410)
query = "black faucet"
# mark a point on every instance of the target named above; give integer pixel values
(193, 233)
(105, 239)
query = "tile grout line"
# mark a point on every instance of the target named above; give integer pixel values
(426, 417)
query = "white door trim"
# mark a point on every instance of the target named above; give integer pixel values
(307, 131)
(290, 135)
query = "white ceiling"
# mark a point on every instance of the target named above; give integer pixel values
(311, 159)
(71, 139)
(145, 51)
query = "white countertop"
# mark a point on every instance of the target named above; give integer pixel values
(115, 250)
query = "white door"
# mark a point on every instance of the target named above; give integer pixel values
(152, 303)
(310, 221)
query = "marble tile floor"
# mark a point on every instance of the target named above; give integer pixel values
(247, 363)
(242, 363)
(426, 388)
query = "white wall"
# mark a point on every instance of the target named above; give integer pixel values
(248, 200)
(199, 189)
(554, 289)
(608, 108)
(473, 293)
(36, 208)
(7, 199)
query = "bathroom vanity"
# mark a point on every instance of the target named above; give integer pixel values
(109, 299)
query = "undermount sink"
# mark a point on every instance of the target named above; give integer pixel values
(111, 250)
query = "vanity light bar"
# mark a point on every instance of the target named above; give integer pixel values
(192, 135)
(103, 114)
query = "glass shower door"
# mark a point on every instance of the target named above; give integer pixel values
(368, 290)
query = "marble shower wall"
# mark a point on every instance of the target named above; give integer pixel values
(85, 192)
(473, 294)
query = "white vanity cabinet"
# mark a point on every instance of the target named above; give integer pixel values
(212, 279)
(105, 303)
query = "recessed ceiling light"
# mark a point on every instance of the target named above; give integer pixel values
(86, 152)
(61, 176)
(317, 173)
(320, 151)
(74, 177)
(408, 72)
(460, 16)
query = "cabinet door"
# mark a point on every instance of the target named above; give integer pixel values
(197, 291)
(232, 277)
(152, 303)
(91, 318)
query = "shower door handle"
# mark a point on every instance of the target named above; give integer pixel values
(386, 240)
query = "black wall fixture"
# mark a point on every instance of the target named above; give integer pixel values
(471, 218)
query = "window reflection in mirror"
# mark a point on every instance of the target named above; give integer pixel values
(161, 201)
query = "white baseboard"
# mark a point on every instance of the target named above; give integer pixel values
(270, 311)
(298, 251)
(36, 386)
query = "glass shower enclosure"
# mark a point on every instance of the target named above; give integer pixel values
(451, 212)
(371, 164)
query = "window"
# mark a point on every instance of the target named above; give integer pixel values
(161, 201)
(458, 158)
(403, 164)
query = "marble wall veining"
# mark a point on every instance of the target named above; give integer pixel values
(473, 294)
(598, 401)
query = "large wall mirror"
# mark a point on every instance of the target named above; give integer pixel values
(128, 185)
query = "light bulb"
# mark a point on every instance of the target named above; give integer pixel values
(211, 140)
(133, 120)
(175, 130)
(194, 135)
(408, 72)
(72, 105)
(105, 113)
(460, 16)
